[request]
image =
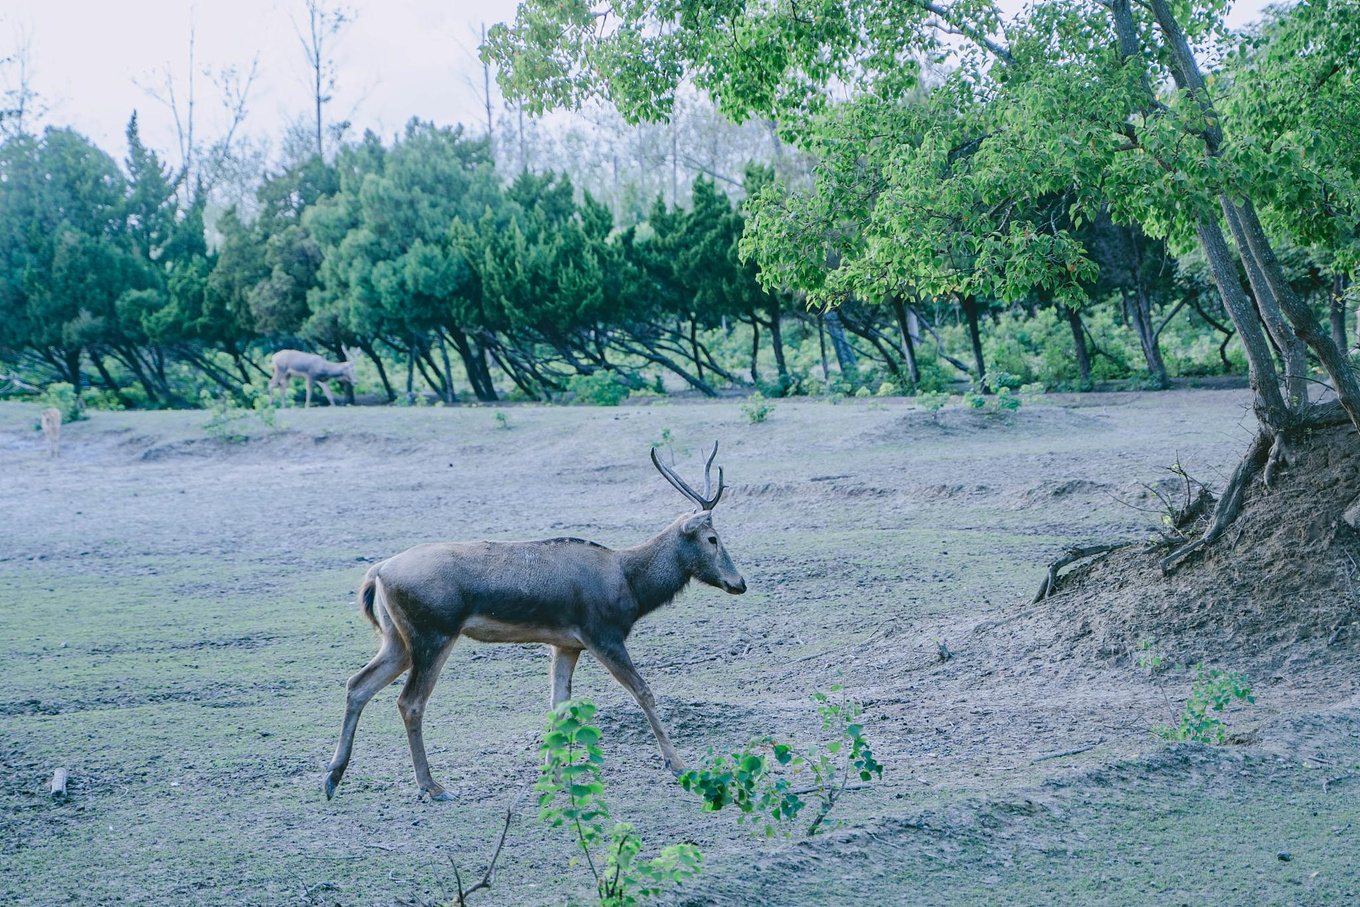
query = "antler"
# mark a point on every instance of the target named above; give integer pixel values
(704, 502)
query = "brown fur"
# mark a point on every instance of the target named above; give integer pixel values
(568, 594)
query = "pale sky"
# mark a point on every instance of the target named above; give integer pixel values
(400, 58)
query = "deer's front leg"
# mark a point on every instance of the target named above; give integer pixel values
(308, 402)
(614, 657)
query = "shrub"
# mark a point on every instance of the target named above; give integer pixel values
(597, 389)
(1212, 692)
(864, 392)
(931, 402)
(228, 420)
(887, 389)
(758, 409)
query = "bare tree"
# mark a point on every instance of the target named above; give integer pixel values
(22, 105)
(318, 35)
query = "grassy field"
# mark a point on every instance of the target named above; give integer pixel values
(177, 624)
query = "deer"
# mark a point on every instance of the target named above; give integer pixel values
(568, 594)
(295, 363)
(51, 429)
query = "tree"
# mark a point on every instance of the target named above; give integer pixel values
(1058, 101)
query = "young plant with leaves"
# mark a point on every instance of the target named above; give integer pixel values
(770, 782)
(571, 795)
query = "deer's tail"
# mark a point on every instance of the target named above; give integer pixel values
(368, 593)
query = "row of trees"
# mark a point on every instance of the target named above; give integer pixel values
(1033, 205)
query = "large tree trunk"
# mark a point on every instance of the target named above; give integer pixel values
(72, 360)
(970, 312)
(1079, 344)
(1139, 306)
(110, 383)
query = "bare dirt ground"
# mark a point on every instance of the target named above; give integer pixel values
(177, 623)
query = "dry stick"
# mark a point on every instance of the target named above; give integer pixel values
(1331, 781)
(1050, 583)
(59, 779)
(490, 876)
(1079, 750)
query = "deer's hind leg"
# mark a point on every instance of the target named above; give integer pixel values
(563, 665)
(427, 660)
(386, 666)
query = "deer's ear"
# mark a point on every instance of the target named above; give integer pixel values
(694, 523)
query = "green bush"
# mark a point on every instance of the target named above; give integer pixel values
(62, 396)
(931, 402)
(597, 389)
(757, 409)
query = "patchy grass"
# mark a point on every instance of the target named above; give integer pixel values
(178, 624)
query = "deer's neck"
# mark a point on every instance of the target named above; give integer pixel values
(654, 571)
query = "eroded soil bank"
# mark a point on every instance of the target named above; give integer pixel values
(177, 623)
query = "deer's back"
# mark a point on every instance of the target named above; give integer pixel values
(545, 583)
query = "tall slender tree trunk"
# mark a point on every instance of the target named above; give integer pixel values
(411, 368)
(1337, 310)
(450, 398)
(777, 343)
(372, 354)
(845, 353)
(694, 348)
(908, 345)
(755, 348)
(1292, 351)
(821, 342)
(970, 313)
(1079, 344)
(108, 379)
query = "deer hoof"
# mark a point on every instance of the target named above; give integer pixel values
(675, 767)
(330, 785)
(439, 795)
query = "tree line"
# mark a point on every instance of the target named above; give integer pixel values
(1030, 212)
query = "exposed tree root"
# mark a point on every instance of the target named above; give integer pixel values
(1070, 556)
(1229, 505)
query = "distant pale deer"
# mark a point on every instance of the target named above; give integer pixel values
(568, 594)
(51, 429)
(295, 363)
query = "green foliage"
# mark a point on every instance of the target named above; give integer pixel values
(757, 409)
(769, 782)
(931, 402)
(1210, 695)
(571, 795)
(228, 420)
(502, 420)
(887, 389)
(62, 396)
(599, 388)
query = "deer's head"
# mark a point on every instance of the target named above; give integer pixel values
(701, 550)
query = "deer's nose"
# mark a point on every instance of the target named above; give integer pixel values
(738, 587)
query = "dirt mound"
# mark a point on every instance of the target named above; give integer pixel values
(1282, 581)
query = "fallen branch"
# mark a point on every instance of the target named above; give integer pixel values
(1073, 752)
(1071, 555)
(490, 877)
(1339, 778)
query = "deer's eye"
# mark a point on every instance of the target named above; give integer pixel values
(713, 540)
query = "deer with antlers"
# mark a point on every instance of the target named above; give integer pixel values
(568, 594)
(316, 369)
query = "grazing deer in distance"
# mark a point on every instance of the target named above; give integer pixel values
(295, 363)
(51, 429)
(569, 594)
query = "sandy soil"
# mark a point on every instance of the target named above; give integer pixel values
(177, 623)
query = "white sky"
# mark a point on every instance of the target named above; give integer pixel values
(400, 58)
